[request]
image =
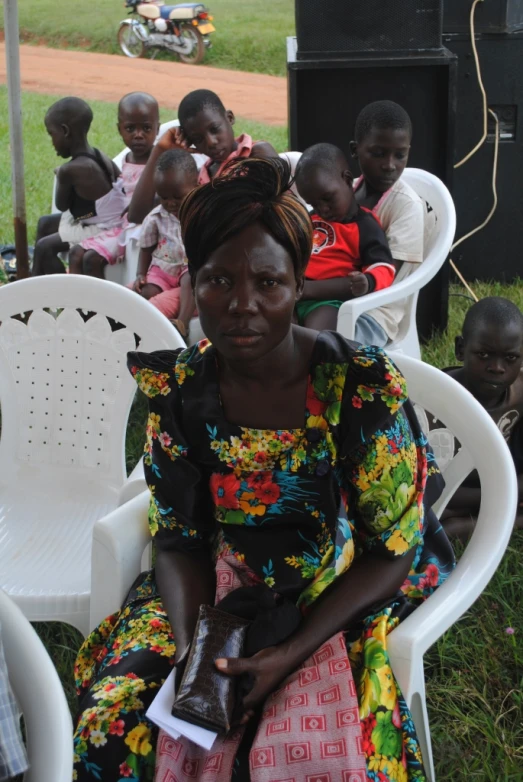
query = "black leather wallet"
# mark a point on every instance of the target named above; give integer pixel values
(207, 697)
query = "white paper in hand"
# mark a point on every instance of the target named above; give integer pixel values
(159, 712)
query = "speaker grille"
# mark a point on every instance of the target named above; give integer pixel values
(341, 26)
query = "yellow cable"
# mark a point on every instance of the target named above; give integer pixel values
(490, 214)
(480, 82)
(494, 187)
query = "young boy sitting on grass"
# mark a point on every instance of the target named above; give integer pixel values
(89, 191)
(162, 265)
(490, 349)
(350, 255)
(206, 127)
(383, 135)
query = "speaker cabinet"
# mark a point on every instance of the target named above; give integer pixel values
(495, 252)
(493, 16)
(340, 27)
(326, 96)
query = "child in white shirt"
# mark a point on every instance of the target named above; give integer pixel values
(382, 144)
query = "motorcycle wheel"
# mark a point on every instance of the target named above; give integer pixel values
(129, 42)
(189, 32)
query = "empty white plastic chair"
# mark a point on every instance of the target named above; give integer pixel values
(40, 696)
(65, 396)
(433, 191)
(121, 537)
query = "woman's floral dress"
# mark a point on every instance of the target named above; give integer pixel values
(298, 507)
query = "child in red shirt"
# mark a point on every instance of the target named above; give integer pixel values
(350, 255)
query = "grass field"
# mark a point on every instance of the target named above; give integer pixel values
(250, 34)
(475, 673)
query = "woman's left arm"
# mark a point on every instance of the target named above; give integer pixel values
(388, 516)
(370, 580)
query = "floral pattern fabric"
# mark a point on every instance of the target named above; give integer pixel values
(354, 478)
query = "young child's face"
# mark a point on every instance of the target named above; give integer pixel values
(60, 137)
(329, 193)
(492, 358)
(138, 127)
(382, 155)
(211, 133)
(172, 187)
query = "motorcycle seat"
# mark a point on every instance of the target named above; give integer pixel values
(181, 11)
(159, 11)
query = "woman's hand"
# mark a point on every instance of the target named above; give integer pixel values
(173, 138)
(267, 668)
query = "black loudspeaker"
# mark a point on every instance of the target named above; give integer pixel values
(326, 96)
(338, 27)
(492, 16)
(494, 252)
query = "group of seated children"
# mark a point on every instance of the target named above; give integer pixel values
(367, 233)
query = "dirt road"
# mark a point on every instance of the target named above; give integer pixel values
(107, 77)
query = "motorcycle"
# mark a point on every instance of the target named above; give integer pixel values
(183, 29)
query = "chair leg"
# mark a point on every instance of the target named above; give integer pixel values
(413, 689)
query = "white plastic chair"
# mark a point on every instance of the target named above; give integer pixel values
(65, 396)
(40, 697)
(484, 449)
(120, 538)
(433, 191)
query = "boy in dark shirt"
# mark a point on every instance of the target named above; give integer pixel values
(491, 350)
(350, 255)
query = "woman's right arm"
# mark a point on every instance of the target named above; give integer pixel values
(181, 513)
(185, 581)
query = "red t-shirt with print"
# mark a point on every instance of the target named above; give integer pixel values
(359, 245)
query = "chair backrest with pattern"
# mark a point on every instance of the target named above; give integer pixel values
(65, 392)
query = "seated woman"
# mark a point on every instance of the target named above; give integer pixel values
(281, 458)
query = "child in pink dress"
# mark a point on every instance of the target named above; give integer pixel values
(138, 123)
(162, 266)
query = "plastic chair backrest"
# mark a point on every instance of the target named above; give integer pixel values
(433, 191)
(40, 696)
(482, 448)
(65, 391)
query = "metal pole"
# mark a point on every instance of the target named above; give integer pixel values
(12, 54)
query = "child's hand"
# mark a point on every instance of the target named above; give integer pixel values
(139, 283)
(359, 284)
(173, 138)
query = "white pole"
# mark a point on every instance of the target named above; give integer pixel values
(12, 54)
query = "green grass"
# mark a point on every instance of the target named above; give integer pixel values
(40, 158)
(475, 672)
(250, 34)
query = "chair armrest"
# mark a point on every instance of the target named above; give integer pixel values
(134, 485)
(351, 310)
(119, 541)
(499, 498)
(40, 696)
